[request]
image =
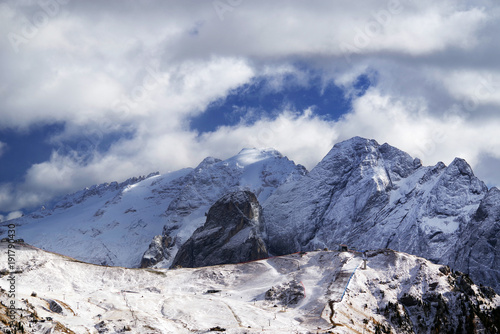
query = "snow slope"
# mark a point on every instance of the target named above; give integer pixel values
(105, 224)
(113, 223)
(396, 290)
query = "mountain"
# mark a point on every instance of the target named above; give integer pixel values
(314, 292)
(373, 196)
(113, 223)
(260, 171)
(363, 194)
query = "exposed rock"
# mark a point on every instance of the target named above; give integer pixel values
(478, 251)
(231, 234)
(54, 306)
(155, 252)
(289, 293)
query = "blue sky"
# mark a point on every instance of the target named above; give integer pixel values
(251, 101)
(96, 91)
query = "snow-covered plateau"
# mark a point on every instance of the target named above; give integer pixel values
(314, 292)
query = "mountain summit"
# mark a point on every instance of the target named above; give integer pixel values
(373, 196)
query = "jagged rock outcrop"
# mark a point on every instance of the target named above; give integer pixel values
(154, 254)
(231, 234)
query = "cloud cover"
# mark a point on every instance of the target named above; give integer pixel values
(146, 68)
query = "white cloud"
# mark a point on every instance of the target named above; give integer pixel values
(408, 125)
(14, 215)
(11, 215)
(85, 61)
(146, 68)
(304, 137)
(473, 87)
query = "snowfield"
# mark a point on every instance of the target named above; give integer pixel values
(289, 294)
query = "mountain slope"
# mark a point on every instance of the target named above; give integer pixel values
(113, 223)
(366, 195)
(290, 294)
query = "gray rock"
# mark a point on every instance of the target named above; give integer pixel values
(287, 294)
(55, 307)
(155, 253)
(231, 234)
(478, 251)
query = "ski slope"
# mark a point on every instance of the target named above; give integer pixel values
(98, 299)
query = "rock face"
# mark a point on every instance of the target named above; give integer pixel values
(155, 251)
(231, 234)
(478, 251)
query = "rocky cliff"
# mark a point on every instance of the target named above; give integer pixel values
(231, 234)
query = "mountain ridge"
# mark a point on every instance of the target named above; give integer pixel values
(364, 194)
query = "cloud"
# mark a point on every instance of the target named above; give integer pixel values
(11, 215)
(302, 136)
(144, 69)
(90, 62)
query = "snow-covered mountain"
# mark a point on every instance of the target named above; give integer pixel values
(363, 194)
(113, 223)
(373, 196)
(260, 171)
(314, 292)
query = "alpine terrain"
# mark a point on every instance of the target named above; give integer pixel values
(116, 223)
(240, 238)
(314, 292)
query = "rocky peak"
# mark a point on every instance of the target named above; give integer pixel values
(400, 163)
(208, 161)
(231, 234)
